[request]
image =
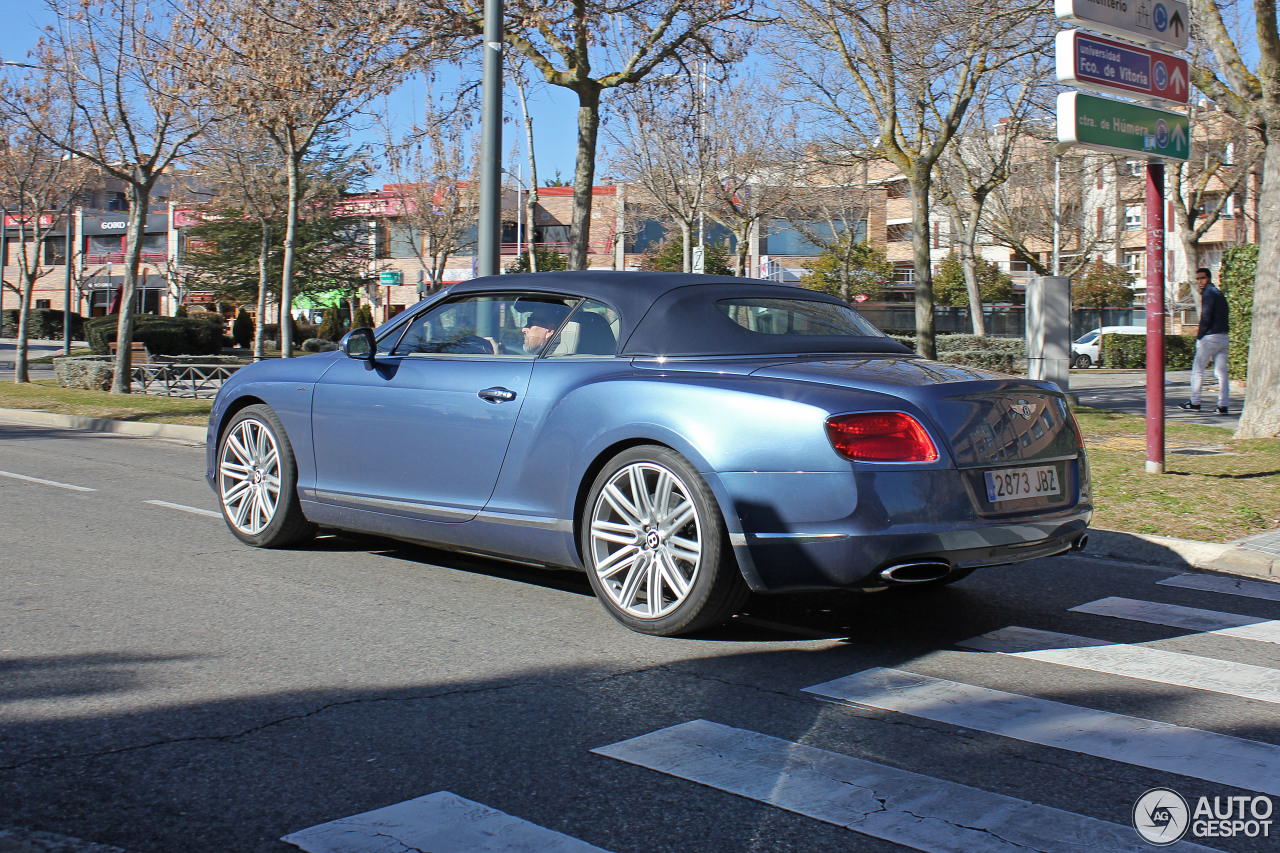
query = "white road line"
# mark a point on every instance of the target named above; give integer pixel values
(1191, 618)
(1266, 590)
(1200, 673)
(928, 814)
(1190, 752)
(47, 482)
(191, 509)
(441, 822)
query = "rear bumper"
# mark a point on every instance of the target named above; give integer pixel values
(823, 531)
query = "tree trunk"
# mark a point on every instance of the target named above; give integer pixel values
(926, 343)
(1191, 252)
(1261, 415)
(969, 262)
(286, 273)
(686, 239)
(21, 347)
(122, 375)
(584, 174)
(531, 203)
(260, 323)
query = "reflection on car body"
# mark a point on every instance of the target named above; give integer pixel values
(682, 439)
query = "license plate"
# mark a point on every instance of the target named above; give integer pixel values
(1016, 483)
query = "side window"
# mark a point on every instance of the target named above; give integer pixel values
(592, 330)
(513, 324)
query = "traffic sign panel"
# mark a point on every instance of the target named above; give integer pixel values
(1107, 125)
(1162, 21)
(1093, 62)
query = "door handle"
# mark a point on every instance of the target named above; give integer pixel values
(497, 395)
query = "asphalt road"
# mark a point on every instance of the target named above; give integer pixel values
(164, 688)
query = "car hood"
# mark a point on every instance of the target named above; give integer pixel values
(987, 418)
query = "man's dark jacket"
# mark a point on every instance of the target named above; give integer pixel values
(1213, 313)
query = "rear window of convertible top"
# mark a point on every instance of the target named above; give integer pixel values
(797, 317)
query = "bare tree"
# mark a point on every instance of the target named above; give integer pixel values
(666, 151)
(118, 64)
(1019, 212)
(1203, 186)
(979, 161)
(437, 197)
(245, 172)
(572, 44)
(1253, 99)
(299, 68)
(531, 199)
(898, 77)
(38, 186)
(834, 218)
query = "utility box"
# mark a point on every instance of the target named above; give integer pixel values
(1049, 330)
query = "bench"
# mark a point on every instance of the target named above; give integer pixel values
(138, 352)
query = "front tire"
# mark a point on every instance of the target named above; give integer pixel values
(1082, 361)
(258, 481)
(655, 546)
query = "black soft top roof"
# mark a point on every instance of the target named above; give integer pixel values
(676, 314)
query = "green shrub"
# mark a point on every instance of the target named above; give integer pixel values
(1239, 267)
(985, 359)
(1130, 351)
(318, 345)
(242, 329)
(42, 324)
(180, 311)
(162, 335)
(364, 318)
(1015, 347)
(331, 326)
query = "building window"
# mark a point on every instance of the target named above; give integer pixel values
(788, 239)
(1133, 217)
(904, 274)
(1133, 262)
(43, 304)
(899, 232)
(55, 251)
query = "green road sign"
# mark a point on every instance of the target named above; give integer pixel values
(1123, 128)
(389, 278)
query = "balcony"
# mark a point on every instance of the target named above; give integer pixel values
(598, 247)
(118, 258)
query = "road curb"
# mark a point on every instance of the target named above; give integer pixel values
(180, 432)
(1230, 558)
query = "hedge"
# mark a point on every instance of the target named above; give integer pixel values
(1239, 267)
(42, 323)
(162, 335)
(1130, 351)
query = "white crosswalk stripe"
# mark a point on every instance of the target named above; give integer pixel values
(1265, 590)
(906, 808)
(1149, 664)
(1145, 743)
(441, 822)
(1191, 618)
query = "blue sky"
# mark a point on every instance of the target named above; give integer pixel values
(554, 110)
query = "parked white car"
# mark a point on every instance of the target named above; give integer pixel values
(1086, 351)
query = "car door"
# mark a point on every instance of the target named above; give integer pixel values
(422, 430)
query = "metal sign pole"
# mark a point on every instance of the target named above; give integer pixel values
(489, 230)
(1155, 316)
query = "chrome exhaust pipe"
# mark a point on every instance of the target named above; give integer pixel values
(919, 571)
(1080, 543)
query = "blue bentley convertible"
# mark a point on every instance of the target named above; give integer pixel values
(682, 439)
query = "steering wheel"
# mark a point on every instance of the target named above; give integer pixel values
(470, 344)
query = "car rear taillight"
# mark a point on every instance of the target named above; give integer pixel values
(1075, 424)
(880, 437)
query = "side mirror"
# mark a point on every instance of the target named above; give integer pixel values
(359, 343)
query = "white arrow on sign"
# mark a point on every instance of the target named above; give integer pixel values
(1177, 82)
(1179, 138)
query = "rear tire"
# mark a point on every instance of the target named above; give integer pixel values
(655, 546)
(258, 481)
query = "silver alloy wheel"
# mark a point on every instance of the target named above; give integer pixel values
(249, 476)
(645, 540)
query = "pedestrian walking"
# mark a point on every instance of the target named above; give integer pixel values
(1211, 343)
